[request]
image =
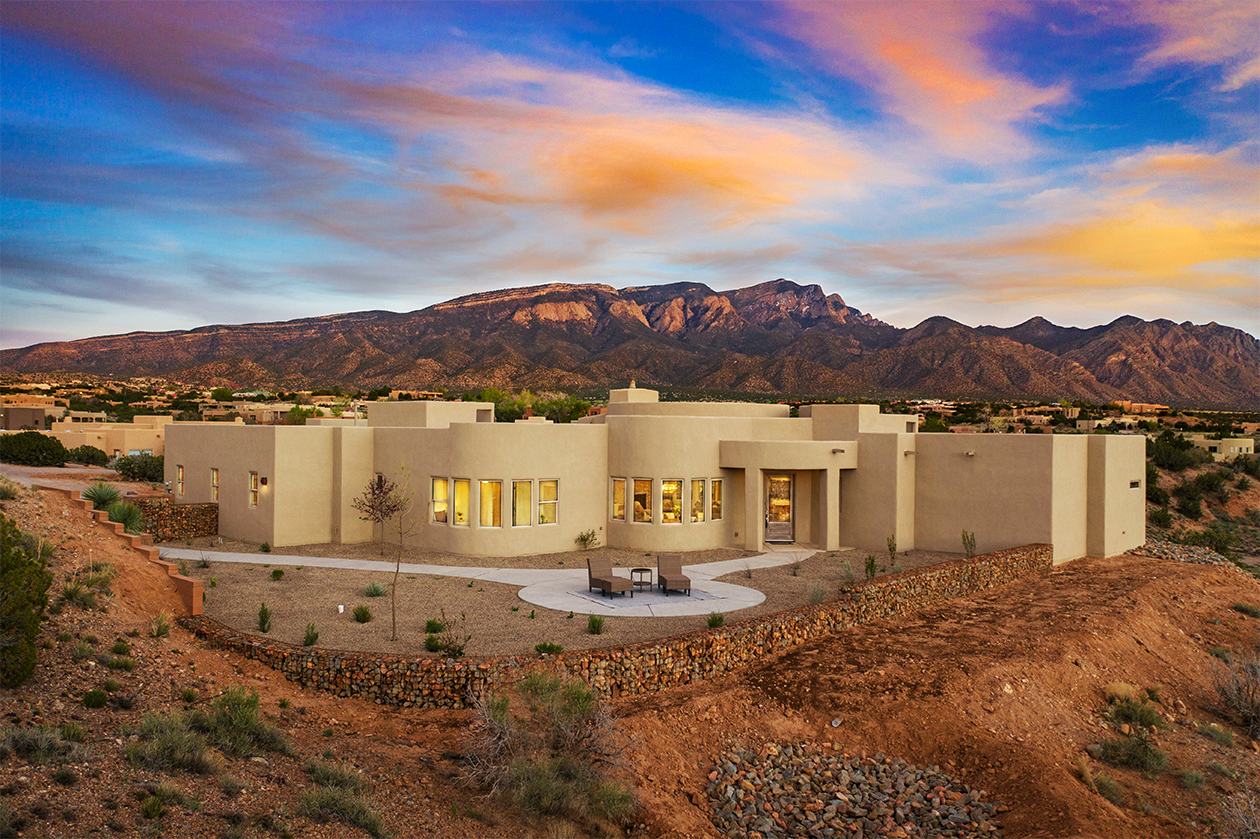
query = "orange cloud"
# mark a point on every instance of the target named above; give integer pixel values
(926, 60)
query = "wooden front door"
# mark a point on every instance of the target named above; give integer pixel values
(779, 509)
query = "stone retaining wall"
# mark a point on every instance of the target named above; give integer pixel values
(172, 522)
(428, 682)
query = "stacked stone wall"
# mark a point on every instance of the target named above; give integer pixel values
(427, 682)
(174, 522)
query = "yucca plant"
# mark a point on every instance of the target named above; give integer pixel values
(128, 515)
(102, 495)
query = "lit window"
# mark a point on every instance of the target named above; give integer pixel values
(521, 491)
(642, 500)
(441, 488)
(491, 503)
(461, 502)
(548, 495)
(214, 484)
(179, 480)
(697, 500)
(671, 501)
(715, 498)
(619, 499)
(253, 489)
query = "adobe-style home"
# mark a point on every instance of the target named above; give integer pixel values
(666, 476)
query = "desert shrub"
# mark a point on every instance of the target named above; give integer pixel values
(336, 775)
(1109, 789)
(95, 698)
(1217, 735)
(161, 627)
(595, 624)
(24, 583)
(1223, 770)
(189, 695)
(716, 619)
(1247, 609)
(102, 495)
(111, 685)
(335, 804)
(375, 589)
(264, 618)
(8, 489)
(230, 785)
(1161, 517)
(1217, 540)
(587, 539)
(1135, 752)
(362, 614)
(1190, 505)
(151, 807)
(166, 742)
(1240, 814)
(969, 543)
(120, 663)
(554, 751)
(81, 651)
(1221, 653)
(433, 627)
(128, 515)
(87, 455)
(311, 636)
(432, 643)
(39, 745)
(233, 727)
(1120, 692)
(1174, 453)
(120, 647)
(1190, 779)
(1238, 686)
(145, 468)
(871, 568)
(277, 574)
(1136, 713)
(817, 593)
(30, 448)
(72, 732)
(548, 648)
(265, 547)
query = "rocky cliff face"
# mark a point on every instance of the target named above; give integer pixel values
(774, 337)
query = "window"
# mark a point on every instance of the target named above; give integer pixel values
(1135, 484)
(491, 503)
(179, 480)
(548, 493)
(697, 500)
(461, 502)
(671, 501)
(441, 499)
(520, 503)
(642, 500)
(214, 484)
(619, 499)
(253, 489)
(715, 499)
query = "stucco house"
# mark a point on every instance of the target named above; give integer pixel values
(662, 476)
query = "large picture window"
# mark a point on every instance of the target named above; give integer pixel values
(521, 494)
(441, 500)
(642, 500)
(491, 503)
(671, 501)
(619, 499)
(715, 496)
(462, 492)
(697, 500)
(548, 501)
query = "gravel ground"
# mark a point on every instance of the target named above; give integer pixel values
(499, 622)
(1181, 553)
(803, 791)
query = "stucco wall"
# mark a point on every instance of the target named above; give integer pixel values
(1117, 510)
(235, 450)
(878, 499)
(1070, 496)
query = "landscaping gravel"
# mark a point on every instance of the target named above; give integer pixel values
(802, 791)
(1160, 549)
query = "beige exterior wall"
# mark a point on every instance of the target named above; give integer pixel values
(427, 414)
(878, 498)
(1070, 497)
(1117, 508)
(235, 450)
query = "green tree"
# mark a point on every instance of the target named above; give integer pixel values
(221, 394)
(24, 582)
(30, 448)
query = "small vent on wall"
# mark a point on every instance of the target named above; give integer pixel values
(1135, 484)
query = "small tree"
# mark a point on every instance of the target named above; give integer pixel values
(403, 495)
(24, 582)
(379, 503)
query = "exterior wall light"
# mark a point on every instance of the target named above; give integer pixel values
(907, 453)
(971, 454)
(837, 451)
(262, 481)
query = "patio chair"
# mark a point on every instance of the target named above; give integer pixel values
(599, 574)
(669, 574)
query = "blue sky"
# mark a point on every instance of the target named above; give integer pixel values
(168, 165)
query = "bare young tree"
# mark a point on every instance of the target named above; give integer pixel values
(379, 503)
(403, 494)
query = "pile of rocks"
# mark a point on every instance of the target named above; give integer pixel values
(803, 791)
(1160, 549)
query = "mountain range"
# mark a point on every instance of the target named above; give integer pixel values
(776, 337)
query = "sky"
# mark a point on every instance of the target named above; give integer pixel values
(171, 165)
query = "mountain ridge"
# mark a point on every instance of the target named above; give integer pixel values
(772, 337)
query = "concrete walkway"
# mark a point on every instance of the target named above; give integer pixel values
(563, 589)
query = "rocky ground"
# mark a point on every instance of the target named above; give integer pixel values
(1002, 693)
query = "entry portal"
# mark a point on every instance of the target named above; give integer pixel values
(779, 509)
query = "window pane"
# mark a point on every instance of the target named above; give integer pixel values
(548, 501)
(642, 500)
(619, 499)
(671, 501)
(521, 491)
(491, 503)
(716, 493)
(461, 502)
(697, 500)
(441, 499)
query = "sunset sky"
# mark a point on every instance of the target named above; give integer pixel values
(166, 166)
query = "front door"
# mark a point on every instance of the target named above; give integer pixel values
(779, 509)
